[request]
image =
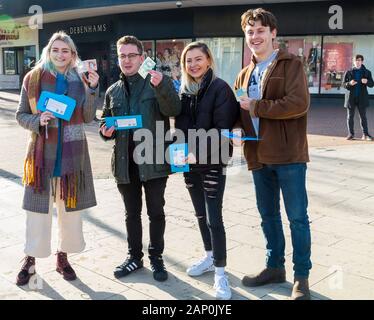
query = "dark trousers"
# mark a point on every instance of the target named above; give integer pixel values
(351, 115)
(154, 196)
(206, 190)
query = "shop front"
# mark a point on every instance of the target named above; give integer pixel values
(325, 53)
(18, 53)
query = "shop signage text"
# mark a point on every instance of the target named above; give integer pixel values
(93, 28)
(5, 36)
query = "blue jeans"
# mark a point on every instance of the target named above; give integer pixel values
(289, 178)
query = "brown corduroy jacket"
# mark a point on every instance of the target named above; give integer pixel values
(282, 112)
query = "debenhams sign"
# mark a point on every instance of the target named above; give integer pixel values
(92, 28)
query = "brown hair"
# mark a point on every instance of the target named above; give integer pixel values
(266, 17)
(359, 56)
(130, 40)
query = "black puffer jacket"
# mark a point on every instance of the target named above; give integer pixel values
(214, 107)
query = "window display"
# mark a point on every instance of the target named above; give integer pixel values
(228, 54)
(10, 62)
(338, 55)
(308, 49)
(337, 59)
(149, 49)
(168, 55)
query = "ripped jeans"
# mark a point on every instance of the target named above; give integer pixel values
(206, 190)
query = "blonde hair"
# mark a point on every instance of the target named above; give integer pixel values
(188, 84)
(46, 63)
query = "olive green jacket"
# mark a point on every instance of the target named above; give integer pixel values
(153, 104)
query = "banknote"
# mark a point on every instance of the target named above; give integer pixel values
(147, 66)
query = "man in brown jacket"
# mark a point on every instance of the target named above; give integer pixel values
(276, 112)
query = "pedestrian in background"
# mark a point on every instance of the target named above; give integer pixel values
(356, 81)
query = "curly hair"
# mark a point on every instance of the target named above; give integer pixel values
(252, 15)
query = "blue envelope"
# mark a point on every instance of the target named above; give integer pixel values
(124, 122)
(230, 135)
(59, 105)
(178, 153)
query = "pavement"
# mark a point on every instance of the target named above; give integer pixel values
(340, 183)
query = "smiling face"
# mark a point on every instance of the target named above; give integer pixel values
(61, 55)
(259, 40)
(130, 59)
(197, 63)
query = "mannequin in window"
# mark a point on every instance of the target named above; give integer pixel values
(312, 58)
(301, 56)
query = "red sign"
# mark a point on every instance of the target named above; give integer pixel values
(337, 56)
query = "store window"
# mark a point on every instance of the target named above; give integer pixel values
(10, 61)
(338, 55)
(168, 55)
(19, 60)
(149, 49)
(29, 58)
(308, 49)
(228, 54)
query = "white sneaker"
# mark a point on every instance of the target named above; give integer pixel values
(222, 287)
(200, 267)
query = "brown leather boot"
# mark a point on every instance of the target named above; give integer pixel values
(64, 267)
(300, 289)
(27, 271)
(266, 276)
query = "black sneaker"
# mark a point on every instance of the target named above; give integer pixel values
(158, 269)
(130, 265)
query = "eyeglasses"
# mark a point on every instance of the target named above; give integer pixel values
(131, 56)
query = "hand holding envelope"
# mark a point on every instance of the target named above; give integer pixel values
(191, 159)
(45, 117)
(107, 132)
(241, 93)
(180, 159)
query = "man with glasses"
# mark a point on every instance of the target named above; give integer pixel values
(356, 82)
(152, 98)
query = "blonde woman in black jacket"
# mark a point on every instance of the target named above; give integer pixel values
(208, 105)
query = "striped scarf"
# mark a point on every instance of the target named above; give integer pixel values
(41, 152)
